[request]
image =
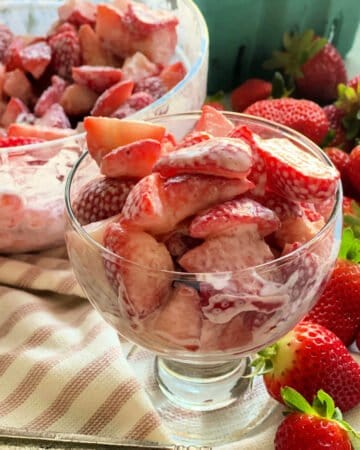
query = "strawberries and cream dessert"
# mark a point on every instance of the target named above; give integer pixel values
(200, 234)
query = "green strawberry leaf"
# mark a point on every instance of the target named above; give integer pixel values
(295, 401)
(280, 87)
(350, 246)
(328, 138)
(324, 404)
(217, 97)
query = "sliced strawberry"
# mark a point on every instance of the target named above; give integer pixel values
(223, 157)
(142, 289)
(282, 207)
(157, 205)
(6, 37)
(136, 67)
(12, 58)
(132, 160)
(54, 117)
(178, 240)
(227, 253)
(234, 216)
(298, 229)
(168, 143)
(172, 75)
(50, 95)
(14, 108)
(154, 86)
(214, 122)
(105, 134)
(17, 141)
(92, 51)
(110, 100)
(78, 100)
(97, 78)
(35, 58)
(296, 174)
(193, 138)
(77, 12)
(134, 103)
(35, 131)
(179, 321)
(101, 198)
(17, 85)
(66, 54)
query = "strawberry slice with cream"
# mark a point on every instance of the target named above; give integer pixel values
(97, 78)
(213, 122)
(223, 157)
(156, 204)
(110, 100)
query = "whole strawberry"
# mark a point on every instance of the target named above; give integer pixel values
(353, 169)
(313, 427)
(309, 358)
(101, 198)
(314, 64)
(338, 308)
(337, 132)
(304, 116)
(65, 53)
(249, 92)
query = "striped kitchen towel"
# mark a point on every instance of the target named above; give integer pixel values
(64, 370)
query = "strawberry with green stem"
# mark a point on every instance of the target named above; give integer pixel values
(313, 427)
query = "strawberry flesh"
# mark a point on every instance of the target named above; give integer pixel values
(97, 78)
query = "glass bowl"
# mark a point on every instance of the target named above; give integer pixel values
(203, 347)
(36, 196)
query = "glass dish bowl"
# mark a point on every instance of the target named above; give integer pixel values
(31, 193)
(203, 353)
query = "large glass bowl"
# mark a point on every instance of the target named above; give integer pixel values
(202, 353)
(35, 194)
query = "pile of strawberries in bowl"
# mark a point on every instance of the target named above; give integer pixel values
(111, 59)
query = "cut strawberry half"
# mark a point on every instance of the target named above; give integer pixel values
(227, 253)
(13, 109)
(179, 321)
(214, 122)
(78, 100)
(35, 58)
(77, 12)
(134, 103)
(223, 157)
(132, 160)
(295, 174)
(172, 75)
(97, 78)
(110, 100)
(12, 58)
(92, 51)
(16, 84)
(141, 286)
(101, 198)
(282, 207)
(35, 131)
(137, 67)
(193, 138)
(234, 216)
(105, 134)
(50, 96)
(54, 117)
(157, 205)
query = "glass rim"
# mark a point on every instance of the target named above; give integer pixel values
(79, 229)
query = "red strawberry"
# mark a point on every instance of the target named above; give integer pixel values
(18, 141)
(354, 82)
(193, 138)
(358, 341)
(295, 174)
(283, 207)
(78, 100)
(213, 122)
(338, 308)
(50, 95)
(54, 117)
(249, 92)
(13, 109)
(137, 67)
(315, 65)
(157, 205)
(340, 159)
(153, 86)
(77, 12)
(353, 169)
(17, 85)
(302, 115)
(101, 198)
(172, 75)
(227, 253)
(110, 100)
(335, 117)
(6, 37)
(215, 104)
(12, 58)
(223, 157)
(36, 131)
(132, 160)
(142, 288)
(134, 103)
(309, 358)
(92, 51)
(105, 134)
(233, 216)
(35, 58)
(316, 427)
(96, 78)
(65, 50)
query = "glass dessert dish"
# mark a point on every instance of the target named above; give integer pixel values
(204, 327)
(31, 186)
